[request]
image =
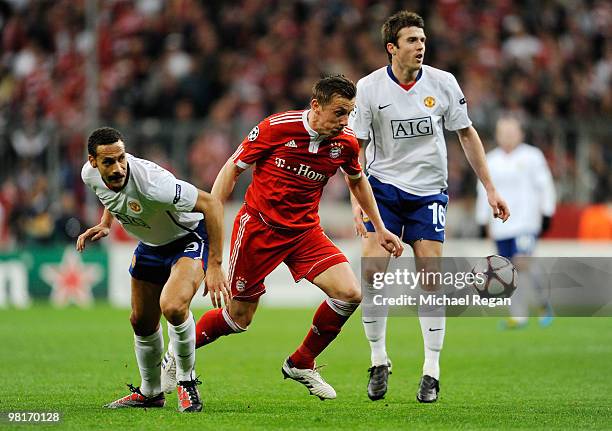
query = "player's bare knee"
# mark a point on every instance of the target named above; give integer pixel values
(351, 294)
(174, 311)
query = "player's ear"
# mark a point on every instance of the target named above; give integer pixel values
(391, 48)
(315, 105)
(92, 161)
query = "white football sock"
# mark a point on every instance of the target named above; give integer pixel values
(375, 330)
(149, 351)
(182, 339)
(433, 329)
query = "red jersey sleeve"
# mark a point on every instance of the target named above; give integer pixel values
(352, 166)
(256, 145)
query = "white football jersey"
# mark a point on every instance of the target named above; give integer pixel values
(153, 206)
(523, 179)
(406, 128)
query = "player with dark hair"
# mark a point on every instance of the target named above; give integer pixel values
(169, 264)
(401, 112)
(294, 154)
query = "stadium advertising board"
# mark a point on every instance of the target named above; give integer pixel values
(57, 274)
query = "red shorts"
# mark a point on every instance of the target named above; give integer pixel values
(257, 249)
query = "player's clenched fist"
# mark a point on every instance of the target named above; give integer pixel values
(499, 206)
(390, 242)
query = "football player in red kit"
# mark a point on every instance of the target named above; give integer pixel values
(293, 155)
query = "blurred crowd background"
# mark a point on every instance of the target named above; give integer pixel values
(185, 80)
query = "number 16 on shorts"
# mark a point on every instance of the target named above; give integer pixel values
(438, 216)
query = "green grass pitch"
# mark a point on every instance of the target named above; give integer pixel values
(73, 361)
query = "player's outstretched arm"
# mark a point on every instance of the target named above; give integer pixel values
(362, 191)
(96, 232)
(475, 154)
(216, 280)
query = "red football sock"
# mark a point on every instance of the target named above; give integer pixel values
(326, 326)
(213, 325)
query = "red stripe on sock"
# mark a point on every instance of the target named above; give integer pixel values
(326, 325)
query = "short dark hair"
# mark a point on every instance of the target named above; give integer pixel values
(395, 23)
(324, 89)
(102, 136)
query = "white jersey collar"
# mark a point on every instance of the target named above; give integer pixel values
(315, 138)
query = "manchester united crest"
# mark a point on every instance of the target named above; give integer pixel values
(335, 150)
(135, 206)
(429, 101)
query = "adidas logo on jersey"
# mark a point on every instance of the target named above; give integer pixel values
(291, 144)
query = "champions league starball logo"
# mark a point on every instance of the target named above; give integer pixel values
(253, 134)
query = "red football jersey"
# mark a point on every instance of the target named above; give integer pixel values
(292, 165)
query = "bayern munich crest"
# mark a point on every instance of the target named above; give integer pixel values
(241, 284)
(335, 150)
